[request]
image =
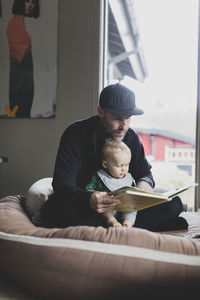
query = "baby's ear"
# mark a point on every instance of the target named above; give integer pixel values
(104, 164)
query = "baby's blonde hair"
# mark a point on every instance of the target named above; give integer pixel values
(112, 146)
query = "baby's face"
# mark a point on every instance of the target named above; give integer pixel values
(118, 166)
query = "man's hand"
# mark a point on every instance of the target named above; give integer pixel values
(101, 202)
(143, 185)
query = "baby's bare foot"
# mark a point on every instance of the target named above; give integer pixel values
(117, 225)
(127, 223)
(114, 223)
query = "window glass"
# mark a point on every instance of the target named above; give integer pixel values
(152, 48)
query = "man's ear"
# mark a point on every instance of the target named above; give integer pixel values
(100, 112)
(104, 164)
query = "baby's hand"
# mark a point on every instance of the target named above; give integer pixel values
(127, 223)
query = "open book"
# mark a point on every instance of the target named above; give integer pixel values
(133, 199)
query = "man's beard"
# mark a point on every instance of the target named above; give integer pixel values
(107, 133)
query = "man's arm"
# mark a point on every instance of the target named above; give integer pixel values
(144, 185)
(68, 163)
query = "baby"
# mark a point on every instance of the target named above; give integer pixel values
(116, 157)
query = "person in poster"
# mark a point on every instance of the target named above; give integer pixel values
(21, 83)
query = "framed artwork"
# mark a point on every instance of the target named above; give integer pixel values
(28, 58)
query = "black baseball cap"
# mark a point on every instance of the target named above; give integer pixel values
(119, 100)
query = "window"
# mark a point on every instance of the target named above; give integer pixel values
(152, 47)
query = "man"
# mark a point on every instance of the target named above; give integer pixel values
(79, 157)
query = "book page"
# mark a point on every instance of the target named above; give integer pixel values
(174, 193)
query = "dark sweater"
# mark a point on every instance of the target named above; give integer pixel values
(79, 157)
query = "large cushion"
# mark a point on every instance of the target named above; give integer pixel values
(36, 196)
(84, 262)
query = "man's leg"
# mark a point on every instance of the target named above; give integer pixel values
(162, 217)
(63, 214)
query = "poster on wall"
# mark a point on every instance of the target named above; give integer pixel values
(28, 58)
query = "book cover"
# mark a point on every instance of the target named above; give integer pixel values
(133, 198)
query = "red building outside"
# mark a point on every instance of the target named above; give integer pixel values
(172, 157)
(156, 142)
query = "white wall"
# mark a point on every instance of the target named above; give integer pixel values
(31, 144)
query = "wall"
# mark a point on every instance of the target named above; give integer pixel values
(31, 144)
(145, 138)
